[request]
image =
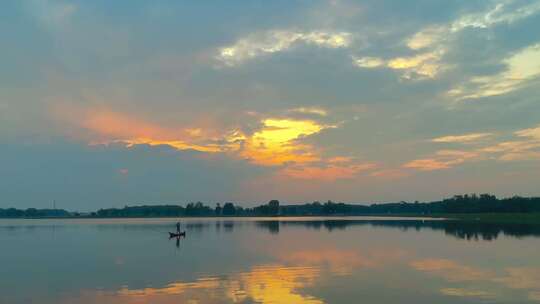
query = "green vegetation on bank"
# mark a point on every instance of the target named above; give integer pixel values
(483, 207)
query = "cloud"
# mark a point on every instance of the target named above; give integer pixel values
(468, 293)
(275, 143)
(522, 67)
(53, 15)
(310, 110)
(427, 37)
(502, 12)
(275, 41)
(368, 62)
(107, 126)
(514, 150)
(433, 42)
(533, 133)
(442, 159)
(421, 66)
(465, 138)
(526, 148)
(390, 174)
(329, 172)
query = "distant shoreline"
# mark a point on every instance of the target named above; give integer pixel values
(517, 218)
(483, 207)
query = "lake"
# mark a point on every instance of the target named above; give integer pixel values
(269, 260)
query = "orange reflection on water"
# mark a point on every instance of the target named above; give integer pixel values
(342, 262)
(451, 270)
(262, 284)
(172, 289)
(276, 285)
(516, 278)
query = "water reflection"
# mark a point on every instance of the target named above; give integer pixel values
(514, 278)
(273, 284)
(272, 260)
(342, 261)
(468, 230)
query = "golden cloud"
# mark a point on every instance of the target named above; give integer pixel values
(465, 138)
(276, 142)
(368, 62)
(427, 37)
(423, 65)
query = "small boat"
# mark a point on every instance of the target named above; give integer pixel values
(177, 234)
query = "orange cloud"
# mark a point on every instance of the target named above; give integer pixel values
(443, 159)
(277, 142)
(105, 126)
(525, 148)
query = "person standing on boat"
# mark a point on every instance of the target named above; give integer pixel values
(178, 227)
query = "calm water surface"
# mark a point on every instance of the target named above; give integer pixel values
(292, 260)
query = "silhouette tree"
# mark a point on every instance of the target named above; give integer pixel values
(273, 207)
(228, 209)
(218, 209)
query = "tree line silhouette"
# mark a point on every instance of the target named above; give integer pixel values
(459, 204)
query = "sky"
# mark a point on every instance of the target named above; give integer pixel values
(112, 103)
